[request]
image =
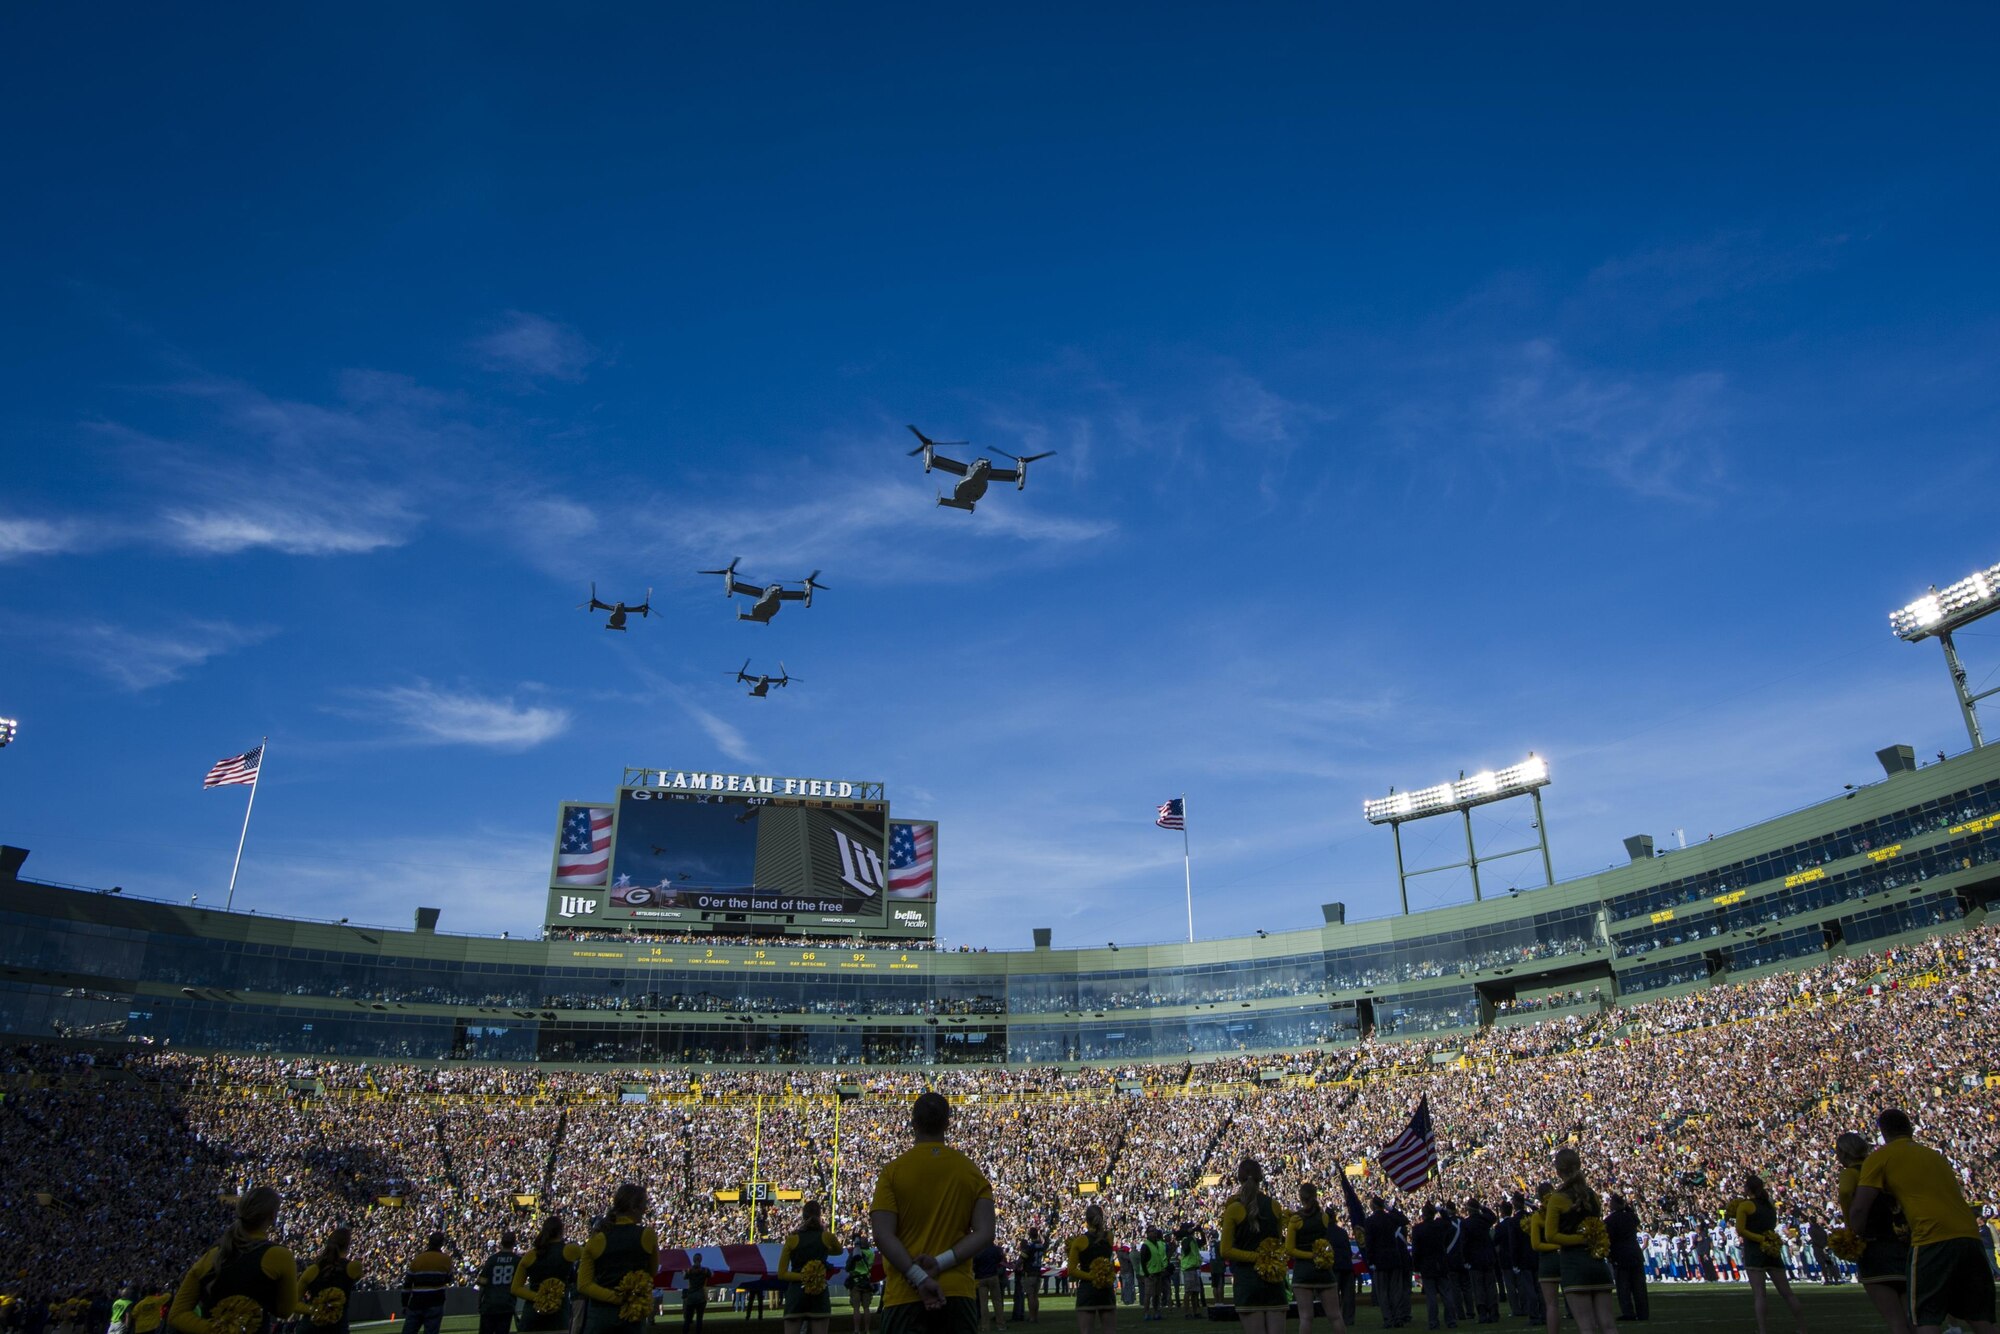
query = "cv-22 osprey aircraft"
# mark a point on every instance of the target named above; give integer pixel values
(619, 611)
(769, 597)
(760, 684)
(972, 477)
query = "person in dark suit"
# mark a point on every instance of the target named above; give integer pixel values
(1628, 1261)
(1389, 1262)
(1482, 1295)
(1429, 1242)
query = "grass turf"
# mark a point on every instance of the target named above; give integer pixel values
(1722, 1308)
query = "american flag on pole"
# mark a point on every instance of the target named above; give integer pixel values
(1409, 1158)
(1173, 815)
(912, 861)
(583, 857)
(236, 769)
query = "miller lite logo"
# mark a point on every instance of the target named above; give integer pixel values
(575, 905)
(860, 866)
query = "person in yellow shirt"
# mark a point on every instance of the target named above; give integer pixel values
(804, 1310)
(1249, 1220)
(1586, 1279)
(1096, 1303)
(332, 1272)
(931, 1213)
(1884, 1265)
(548, 1260)
(1948, 1273)
(150, 1312)
(623, 1246)
(1548, 1261)
(245, 1264)
(1756, 1220)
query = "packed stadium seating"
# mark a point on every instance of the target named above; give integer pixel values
(119, 1157)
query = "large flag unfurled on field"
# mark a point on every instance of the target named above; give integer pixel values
(1409, 1158)
(584, 856)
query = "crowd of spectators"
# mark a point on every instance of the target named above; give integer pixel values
(117, 1161)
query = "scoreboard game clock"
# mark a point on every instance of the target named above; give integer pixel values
(700, 852)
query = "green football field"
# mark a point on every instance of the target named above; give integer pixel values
(1718, 1309)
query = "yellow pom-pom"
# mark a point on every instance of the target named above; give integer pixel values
(1323, 1254)
(1271, 1262)
(1845, 1244)
(1595, 1238)
(236, 1315)
(815, 1276)
(327, 1306)
(549, 1294)
(635, 1297)
(1102, 1274)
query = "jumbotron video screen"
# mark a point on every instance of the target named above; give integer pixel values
(700, 860)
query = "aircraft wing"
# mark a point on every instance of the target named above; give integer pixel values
(738, 586)
(792, 594)
(943, 464)
(1004, 475)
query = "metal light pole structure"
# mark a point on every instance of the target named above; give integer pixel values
(1939, 612)
(1526, 779)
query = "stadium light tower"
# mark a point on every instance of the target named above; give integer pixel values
(1939, 612)
(1526, 779)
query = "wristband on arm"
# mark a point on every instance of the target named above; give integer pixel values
(946, 1258)
(916, 1273)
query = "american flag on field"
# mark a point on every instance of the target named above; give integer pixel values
(1173, 815)
(1409, 1158)
(236, 769)
(912, 861)
(584, 855)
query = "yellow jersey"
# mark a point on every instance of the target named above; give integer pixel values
(931, 1188)
(1924, 1184)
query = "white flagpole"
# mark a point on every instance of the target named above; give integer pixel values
(263, 753)
(1187, 866)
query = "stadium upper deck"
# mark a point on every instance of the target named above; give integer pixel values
(1913, 853)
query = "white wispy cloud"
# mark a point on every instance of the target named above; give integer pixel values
(294, 529)
(1659, 437)
(728, 738)
(307, 479)
(143, 659)
(428, 714)
(534, 346)
(22, 537)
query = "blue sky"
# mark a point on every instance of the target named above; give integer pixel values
(1428, 386)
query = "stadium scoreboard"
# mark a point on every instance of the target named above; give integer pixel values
(700, 852)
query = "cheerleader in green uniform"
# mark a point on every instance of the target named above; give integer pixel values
(545, 1278)
(1251, 1220)
(1586, 1278)
(1096, 1303)
(331, 1273)
(1756, 1220)
(1548, 1263)
(806, 1311)
(1310, 1279)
